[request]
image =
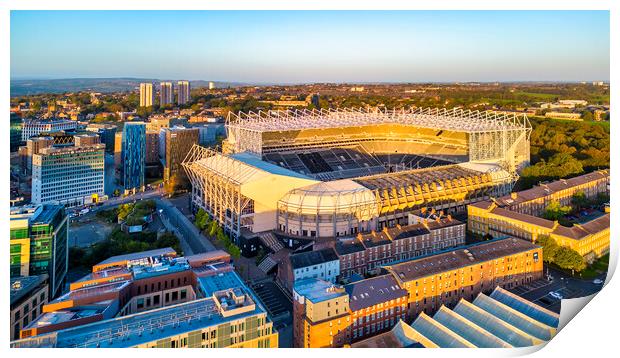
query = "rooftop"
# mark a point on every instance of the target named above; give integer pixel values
(122, 259)
(372, 291)
(317, 290)
(22, 286)
(486, 323)
(452, 119)
(310, 258)
(544, 190)
(425, 266)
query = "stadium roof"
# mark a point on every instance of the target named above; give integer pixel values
(453, 119)
(483, 324)
(243, 168)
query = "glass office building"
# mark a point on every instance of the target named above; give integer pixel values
(39, 243)
(133, 155)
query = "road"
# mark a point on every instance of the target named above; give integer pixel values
(187, 232)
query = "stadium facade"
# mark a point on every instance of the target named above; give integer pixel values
(332, 173)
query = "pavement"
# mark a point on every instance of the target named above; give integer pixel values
(192, 240)
(539, 291)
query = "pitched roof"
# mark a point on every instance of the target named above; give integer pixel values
(372, 291)
(462, 257)
(310, 258)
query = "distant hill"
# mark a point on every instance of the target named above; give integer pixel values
(23, 87)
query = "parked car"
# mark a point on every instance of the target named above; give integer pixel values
(598, 281)
(556, 295)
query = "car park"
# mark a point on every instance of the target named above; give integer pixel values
(556, 295)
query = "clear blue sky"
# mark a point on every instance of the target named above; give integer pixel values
(319, 46)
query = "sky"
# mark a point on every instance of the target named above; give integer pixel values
(313, 46)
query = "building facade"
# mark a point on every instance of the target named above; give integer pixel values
(69, 176)
(329, 315)
(147, 95)
(184, 92)
(366, 253)
(166, 94)
(534, 201)
(32, 128)
(39, 243)
(28, 295)
(133, 155)
(590, 239)
(152, 147)
(16, 131)
(178, 142)
(323, 264)
(163, 301)
(107, 134)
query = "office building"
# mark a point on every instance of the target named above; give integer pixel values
(147, 95)
(166, 94)
(28, 295)
(68, 176)
(211, 85)
(16, 132)
(152, 147)
(86, 139)
(499, 320)
(33, 146)
(184, 92)
(133, 155)
(39, 243)
(118, 149)
(323, 264)
(178, 141)
(209, 133)
(34, 127)
(158, 300)
(329, 315)
(106, 132)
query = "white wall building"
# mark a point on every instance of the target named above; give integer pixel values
(36, 127)
(70, 176)
(323, 264)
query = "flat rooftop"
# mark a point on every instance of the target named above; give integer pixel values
(138, 255)
(316, 290)
(23, 285)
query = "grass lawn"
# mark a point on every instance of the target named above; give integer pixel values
(599, 266)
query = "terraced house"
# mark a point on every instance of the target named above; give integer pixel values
(331, 315)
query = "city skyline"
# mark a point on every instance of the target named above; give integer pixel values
(313, 47)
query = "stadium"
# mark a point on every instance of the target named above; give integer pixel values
(330, 173)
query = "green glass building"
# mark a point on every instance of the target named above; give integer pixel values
(39, 243)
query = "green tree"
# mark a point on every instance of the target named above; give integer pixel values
(555, 210)
(234, 251)
(550, 247)
(202, 219)
(579, 200)
(569, 259)
(587, 116)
